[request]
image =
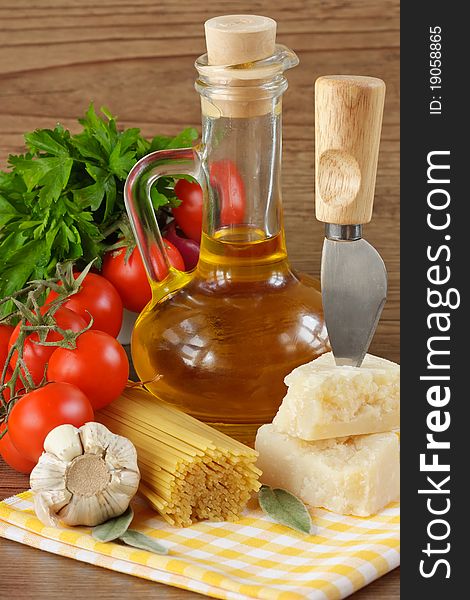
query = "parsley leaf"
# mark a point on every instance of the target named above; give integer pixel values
(64, 197)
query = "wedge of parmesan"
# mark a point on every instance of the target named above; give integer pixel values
(326, 401)
(356, 475)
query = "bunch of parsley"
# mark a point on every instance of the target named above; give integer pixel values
(63, 198)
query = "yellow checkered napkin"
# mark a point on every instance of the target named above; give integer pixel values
(252, 558)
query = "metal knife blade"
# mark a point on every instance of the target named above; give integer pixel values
(354, 290)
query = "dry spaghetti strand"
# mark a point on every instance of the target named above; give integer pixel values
(190, 471)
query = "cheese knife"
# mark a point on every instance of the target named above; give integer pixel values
(348, 122)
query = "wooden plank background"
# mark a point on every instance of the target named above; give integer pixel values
(136, 57)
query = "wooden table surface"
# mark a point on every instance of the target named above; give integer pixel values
(136, 57)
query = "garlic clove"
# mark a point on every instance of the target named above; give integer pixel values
(48, 474)
(121, 453)
(64, 442)
(124, 481)
(84, 510)
(95, 438)
(115, 501)
(47, 504)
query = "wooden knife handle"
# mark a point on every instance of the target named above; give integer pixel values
(348, 121)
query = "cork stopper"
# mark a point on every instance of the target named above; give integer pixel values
(239, 39)
(234, 40)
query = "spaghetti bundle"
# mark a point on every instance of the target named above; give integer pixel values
(190, 471)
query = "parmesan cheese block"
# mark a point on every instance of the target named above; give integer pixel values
(356, 475)
(326, 401)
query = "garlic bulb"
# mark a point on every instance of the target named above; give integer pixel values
(85, 476)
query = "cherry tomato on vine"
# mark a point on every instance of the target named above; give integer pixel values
(129, 276)
(188, 214)
(11, 455)
(5, 334)
(174, 256)
(99, 298)
(225, 179)
(35, 355)
(38, 412)
(228, 183)
(98, 366)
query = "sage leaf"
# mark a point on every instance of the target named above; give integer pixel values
(142, 541)
(285, 508)
(114, 528)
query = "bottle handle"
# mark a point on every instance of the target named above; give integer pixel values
(138, 201)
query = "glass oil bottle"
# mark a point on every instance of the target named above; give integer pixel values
(218, 342)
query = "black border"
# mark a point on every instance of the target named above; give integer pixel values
(422, 133)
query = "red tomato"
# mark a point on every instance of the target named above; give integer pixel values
(36, 356)
(174, 256)
(99, 298)
(188, 214)
(11, 455)
(225, 178)
(41, 410)
(130, 278)
(98, 366)
(5, 334)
